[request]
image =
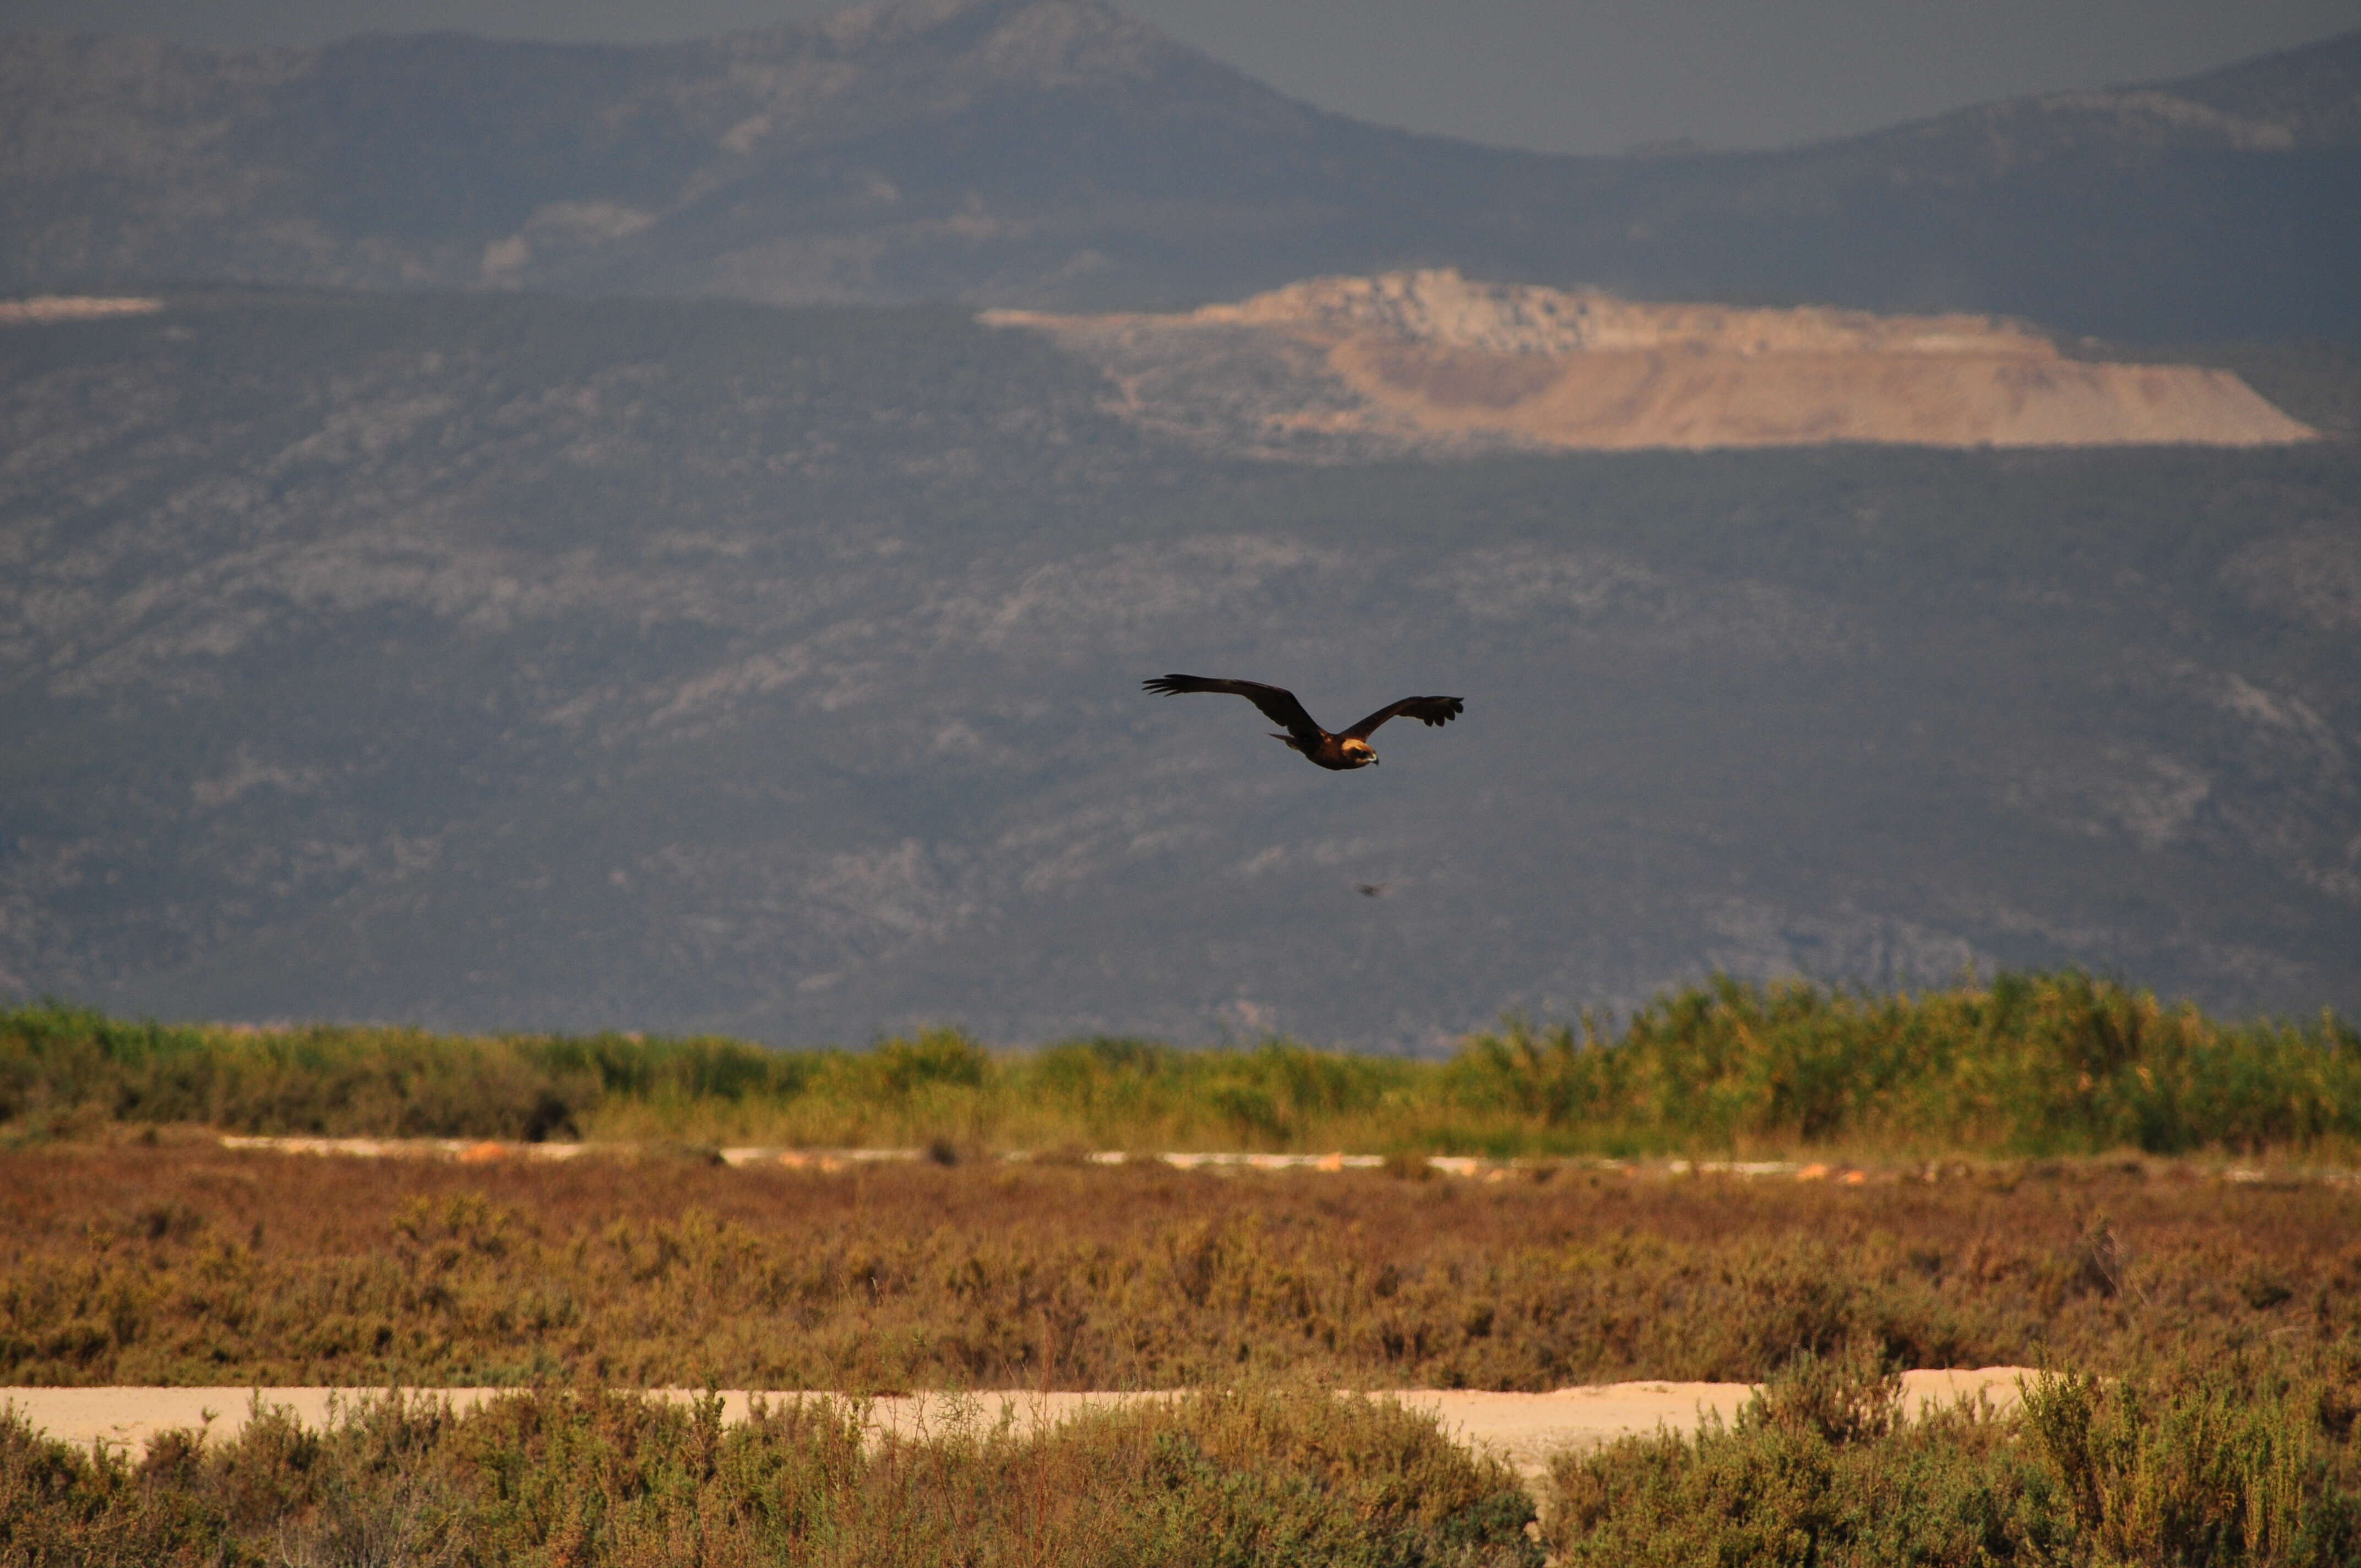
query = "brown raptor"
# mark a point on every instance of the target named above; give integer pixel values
(1347, 750)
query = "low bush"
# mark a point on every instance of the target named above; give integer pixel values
(2216, 1464)
(185, 1262)
(581, 1477)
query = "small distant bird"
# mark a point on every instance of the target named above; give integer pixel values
(1340, 753)
(1370, 889)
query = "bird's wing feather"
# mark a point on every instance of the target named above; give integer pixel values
(1428, 710)
(1278, 704)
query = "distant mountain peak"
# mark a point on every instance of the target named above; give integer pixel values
(1041, 42)
(2307, 98)
(1060, 154)
(2160, 117)
(2313, 93)
(1059, 41)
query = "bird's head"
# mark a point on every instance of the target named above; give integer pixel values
(1359, 753)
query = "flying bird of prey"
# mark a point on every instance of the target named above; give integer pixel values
(1340, 752)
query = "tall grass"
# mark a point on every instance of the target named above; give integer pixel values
(2028, 1065)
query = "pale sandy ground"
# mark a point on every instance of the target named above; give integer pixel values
(1523, 1428)
(837, 1161)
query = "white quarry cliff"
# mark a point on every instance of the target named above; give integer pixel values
(1431, 360)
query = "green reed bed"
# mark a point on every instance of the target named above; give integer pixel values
(2027, 1065)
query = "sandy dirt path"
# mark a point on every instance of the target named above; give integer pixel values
(1523, 1428)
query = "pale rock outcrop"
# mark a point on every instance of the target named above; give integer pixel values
(1432, 360)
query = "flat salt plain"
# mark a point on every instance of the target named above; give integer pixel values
(1524, 1430)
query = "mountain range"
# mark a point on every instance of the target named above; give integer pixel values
(497, 661)
(1055, 153)
(507, 535)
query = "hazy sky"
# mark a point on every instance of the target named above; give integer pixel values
(1560, 75)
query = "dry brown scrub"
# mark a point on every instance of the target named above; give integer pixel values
(185, 1263)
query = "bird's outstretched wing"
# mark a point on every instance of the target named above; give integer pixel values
(1428, 710)
(1278, 704)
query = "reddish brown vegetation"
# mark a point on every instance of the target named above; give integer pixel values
(186, 1264)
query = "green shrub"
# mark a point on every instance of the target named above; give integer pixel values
(2218, 1466)
(590, 1477)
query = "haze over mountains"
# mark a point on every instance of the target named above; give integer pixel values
(1056, 154)
(472, 653)
(488, 661)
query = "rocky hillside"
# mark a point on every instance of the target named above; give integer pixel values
(1428, 362)
(1056, 154)
(492, 661)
